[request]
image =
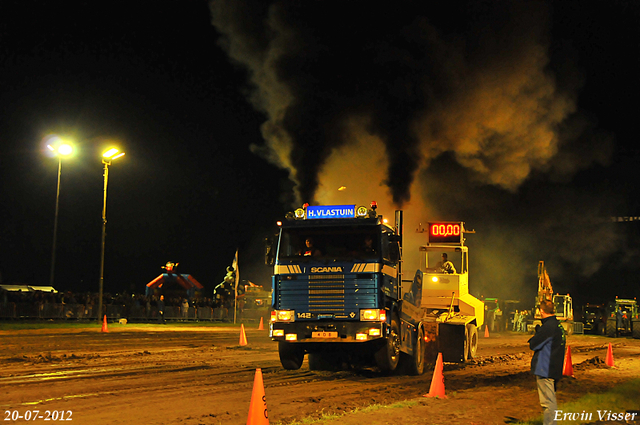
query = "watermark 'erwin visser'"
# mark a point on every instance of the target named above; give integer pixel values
(602, 415)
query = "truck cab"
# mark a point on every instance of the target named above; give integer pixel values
(335, 288)
(623, 318)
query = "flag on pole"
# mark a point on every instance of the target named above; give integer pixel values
(237, 271)
(234, 265)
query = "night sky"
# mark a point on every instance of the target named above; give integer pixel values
(515, 117)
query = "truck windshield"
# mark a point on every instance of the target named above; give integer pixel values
(346, 243)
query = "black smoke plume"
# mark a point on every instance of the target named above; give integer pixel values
(473, 79)
(460, 113)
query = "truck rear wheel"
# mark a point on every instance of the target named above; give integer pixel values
(291, 355)
(472, 340)
(388, 356)
(611, 328)
(414, 365)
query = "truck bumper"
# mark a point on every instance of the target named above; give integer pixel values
(322, 331)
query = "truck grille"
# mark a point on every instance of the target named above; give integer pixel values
(330, 293)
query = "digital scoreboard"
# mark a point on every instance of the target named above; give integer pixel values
(446, 233)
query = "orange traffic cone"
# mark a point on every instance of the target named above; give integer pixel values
(261, 325)
(609, 360)
(437, 382)
(258, 408)
(567, 368)
(243, 337)
(486, 331)
(104, 324)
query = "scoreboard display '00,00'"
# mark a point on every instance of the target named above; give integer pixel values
(446, 233)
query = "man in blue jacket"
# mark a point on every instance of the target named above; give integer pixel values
(548, 345)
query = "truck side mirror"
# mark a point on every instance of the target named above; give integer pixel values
(269, 255)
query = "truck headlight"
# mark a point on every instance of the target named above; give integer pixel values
(283, 316)
(373, 315)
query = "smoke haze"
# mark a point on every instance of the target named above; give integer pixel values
(453, 115)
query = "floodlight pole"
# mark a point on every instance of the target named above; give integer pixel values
(104, 235)
(55, 226)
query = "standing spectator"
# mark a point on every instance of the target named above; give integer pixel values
(625, 320)
(521, 317)
(516, 317)
(185, 309)
(161, 309)
(548, 344)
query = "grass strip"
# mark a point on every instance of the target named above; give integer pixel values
(599, 407)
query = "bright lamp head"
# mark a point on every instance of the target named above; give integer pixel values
(59, 147)
(65, 149)
(109, 153)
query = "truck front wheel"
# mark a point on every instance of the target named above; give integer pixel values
(291, 356)
(388, 355)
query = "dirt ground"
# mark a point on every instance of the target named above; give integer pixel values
(200, 375)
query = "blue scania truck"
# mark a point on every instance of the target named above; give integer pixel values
(338, 294)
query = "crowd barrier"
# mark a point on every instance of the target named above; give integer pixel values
(133, 313)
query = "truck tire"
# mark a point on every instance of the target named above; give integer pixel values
(612, 332)
(635, 329)
(600, 328)
(291, 355)
(388, 356)
(472, 341)
(414, 365)
(465, 344)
